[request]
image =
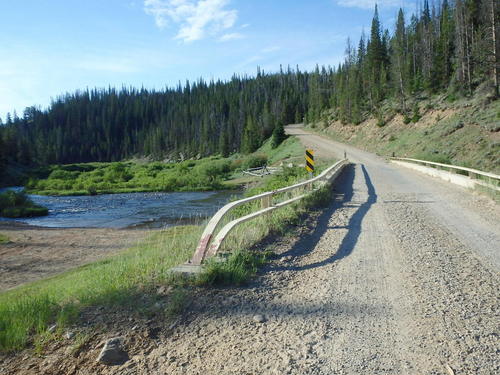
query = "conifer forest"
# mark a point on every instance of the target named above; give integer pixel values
(450, 46)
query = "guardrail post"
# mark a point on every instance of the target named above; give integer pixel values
(266, 201)
(472, 175)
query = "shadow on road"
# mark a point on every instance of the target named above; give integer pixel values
(307, 243)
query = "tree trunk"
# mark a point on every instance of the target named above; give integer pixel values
(494, 49)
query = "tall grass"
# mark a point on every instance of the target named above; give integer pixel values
(234, 270)
(30, 309)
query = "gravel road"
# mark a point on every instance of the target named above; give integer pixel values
(399, 275)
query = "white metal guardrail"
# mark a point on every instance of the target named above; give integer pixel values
(207, 248)
(477, 177)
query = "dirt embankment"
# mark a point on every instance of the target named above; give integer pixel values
(34, 253)
(465, 133)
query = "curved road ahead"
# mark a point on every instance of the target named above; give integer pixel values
(475, 221)
(399, 275)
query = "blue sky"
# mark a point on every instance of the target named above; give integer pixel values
(49, 47)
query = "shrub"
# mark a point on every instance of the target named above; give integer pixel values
(60, 174)
(380, 122)
(451, 98)
(15, 204)
(213, 170)
(416, 114)
(92, 190)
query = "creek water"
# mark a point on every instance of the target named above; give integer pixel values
(151, 210)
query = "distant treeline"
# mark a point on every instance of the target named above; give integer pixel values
(452, 46)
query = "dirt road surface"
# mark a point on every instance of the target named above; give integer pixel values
(399, 275)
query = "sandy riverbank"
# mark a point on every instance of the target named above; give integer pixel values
(34, 253)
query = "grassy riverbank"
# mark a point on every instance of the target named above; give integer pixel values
(212, 173)
(26, 312)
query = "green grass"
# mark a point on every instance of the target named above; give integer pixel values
(212, 173)
(236, 269)
(17, 204)
(29, 310)
(290, 148)
(4, 239)
(127, 177)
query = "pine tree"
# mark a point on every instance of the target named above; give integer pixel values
(375, 59)
(278, 135)
(400, 59)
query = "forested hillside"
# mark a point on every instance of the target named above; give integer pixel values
(197, 118)
(451, 47)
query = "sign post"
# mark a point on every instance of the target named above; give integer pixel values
(310, 161)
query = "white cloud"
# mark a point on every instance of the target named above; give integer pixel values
(230, 36)
(370, 4)
(196, 18)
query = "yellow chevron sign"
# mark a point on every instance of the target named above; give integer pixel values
(310, 160)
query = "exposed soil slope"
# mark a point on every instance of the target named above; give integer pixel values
(465, 133)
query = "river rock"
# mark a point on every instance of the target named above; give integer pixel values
(259, 318)
(112, 353)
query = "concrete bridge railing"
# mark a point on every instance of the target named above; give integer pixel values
(466, 177)
(209, 243)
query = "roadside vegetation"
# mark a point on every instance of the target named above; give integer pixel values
(16, 204)
(27, 312)
(241, 255)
